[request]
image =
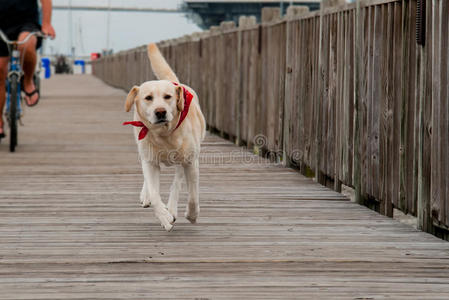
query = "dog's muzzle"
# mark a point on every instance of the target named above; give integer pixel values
(161, 115)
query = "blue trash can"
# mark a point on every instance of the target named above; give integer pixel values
(81, 63)
(46, 66)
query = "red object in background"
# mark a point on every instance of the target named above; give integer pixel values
(94, 56)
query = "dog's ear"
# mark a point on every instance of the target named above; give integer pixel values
(180, 98)
(131, 98)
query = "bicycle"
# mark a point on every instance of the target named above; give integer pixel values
(13, 110)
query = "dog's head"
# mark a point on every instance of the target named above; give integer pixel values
(159, 102)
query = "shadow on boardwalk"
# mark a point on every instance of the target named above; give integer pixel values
(71, 226)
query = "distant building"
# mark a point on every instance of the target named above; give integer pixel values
(212, 12)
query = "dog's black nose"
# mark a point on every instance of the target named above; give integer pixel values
(160, 113)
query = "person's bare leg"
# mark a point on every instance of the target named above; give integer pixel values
(28, 60)
(3, 74)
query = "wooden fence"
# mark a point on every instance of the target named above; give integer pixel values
(345, 94)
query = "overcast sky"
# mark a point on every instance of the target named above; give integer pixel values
(127, 29)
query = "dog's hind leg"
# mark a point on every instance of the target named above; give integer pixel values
(192, 177)
(175, 189)
(151, 174)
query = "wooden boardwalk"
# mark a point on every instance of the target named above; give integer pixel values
(71, 226)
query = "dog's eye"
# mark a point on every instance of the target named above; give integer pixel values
(166, 97)
(149, 97)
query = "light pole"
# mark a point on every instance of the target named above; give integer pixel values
(108, 25)
(72, 49)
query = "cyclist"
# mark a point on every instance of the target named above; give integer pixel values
(17, 19)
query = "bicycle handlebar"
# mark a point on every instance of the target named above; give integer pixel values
(9, 42)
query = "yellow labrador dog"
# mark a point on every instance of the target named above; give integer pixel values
(169, 128)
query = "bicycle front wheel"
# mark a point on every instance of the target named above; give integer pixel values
(14, 94)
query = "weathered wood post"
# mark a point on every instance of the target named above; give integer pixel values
(244, 23)
(357, 168)
(319, 177)
(404, 105)
(424, 17)
(270, 14)
(292, 12)
(330, 3)
(224, 26)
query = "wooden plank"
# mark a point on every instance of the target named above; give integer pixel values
(288, 93)
(436, 109)
(358, 71)
(348, 100)
(339, 113)
(282, 31)
(444, 113)
(386, 114)
(413, 116)
(446, 43)
(425, 222)
(318, 106)
(313, 156)
(366, 88)
(406, 27)
(322, 124)
(300, 87)
(376, 94)
(423, 198)
(331, 105)
(397, 81)
(254, 86)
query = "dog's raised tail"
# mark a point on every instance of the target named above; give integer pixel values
(159, 65)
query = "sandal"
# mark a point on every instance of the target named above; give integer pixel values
(29, 95)
(2, 134)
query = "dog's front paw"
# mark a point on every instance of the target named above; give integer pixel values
(172, 207)
(166, 219)
(192, 212)
(146, 203)
(144, 198)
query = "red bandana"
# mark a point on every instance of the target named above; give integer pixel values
(143, 132)
(188, 97)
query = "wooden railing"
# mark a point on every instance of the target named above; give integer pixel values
(345, 94)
